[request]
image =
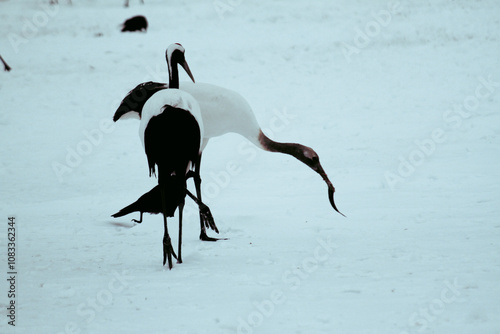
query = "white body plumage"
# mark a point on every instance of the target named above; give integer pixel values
(223, 111)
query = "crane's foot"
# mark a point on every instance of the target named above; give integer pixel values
(205, 237)
(207, 219)
(168, 251)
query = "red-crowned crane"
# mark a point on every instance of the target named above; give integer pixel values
(225, 111)
(171, 131)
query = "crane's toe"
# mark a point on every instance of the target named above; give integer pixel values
(168, 252)
(205, 237)
(207, 218)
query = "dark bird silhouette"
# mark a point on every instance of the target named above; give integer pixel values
(5, 66)
(150, 202)
(136, 23)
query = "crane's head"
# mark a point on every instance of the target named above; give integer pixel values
(311, 158)
(132, 104)
(175, 55)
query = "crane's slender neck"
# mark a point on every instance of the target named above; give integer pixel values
(174, 76)
(295, 150)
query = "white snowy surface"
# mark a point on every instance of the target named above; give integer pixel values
(417, 178)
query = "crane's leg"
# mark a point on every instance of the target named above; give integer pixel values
(179, 246)
(203, 221)
(168, 250)
(206, 215)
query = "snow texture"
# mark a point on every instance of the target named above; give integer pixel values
(399, 99)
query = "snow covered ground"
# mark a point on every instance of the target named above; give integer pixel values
(400, 100)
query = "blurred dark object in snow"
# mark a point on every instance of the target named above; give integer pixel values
(127, 1)
(6, 67)
(56, 2)
(136, 23)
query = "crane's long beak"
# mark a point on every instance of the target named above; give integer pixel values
(185, 66)
(331, 189)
